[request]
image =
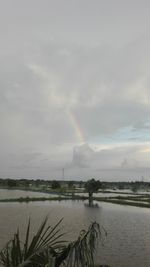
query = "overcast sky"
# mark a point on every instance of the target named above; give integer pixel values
(75, 89)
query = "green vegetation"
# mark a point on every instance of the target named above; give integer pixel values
(123, 202)
(11, 183)
(55, 185)
(142, 201)
(92, 186)
(48, 247)
(46, 185)
(70, 190)
(137, 200)
(34, 199)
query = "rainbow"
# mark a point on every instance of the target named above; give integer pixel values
(76, 126)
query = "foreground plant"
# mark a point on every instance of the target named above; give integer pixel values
(47, 248)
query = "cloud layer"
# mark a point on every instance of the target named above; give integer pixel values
(74, 89)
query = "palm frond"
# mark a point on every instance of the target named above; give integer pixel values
(17, 253)
(47, 249)
(82, 250)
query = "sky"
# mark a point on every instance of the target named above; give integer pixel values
(75, 89)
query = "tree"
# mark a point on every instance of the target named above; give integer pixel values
(55, 184)
(47, 248)
(92, 186)
(70, 184)
(11, 183)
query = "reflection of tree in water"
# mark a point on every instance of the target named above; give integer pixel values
(92, 205)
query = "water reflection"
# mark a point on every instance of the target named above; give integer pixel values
(92, 206)
(8, 193)
(128, 228)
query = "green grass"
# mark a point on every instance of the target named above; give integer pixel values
(124, 202)
(137, 201)
(33, 199)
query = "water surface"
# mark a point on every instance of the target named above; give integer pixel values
(128, 240)
(9, 193)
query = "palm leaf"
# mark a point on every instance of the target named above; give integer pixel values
(26, 239)
(81, 251)
(47, 248)
(32, 247)
(18, 254)
(53, 232)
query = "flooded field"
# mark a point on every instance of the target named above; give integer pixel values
(128, 228)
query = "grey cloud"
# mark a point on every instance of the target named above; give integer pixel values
(87, 59)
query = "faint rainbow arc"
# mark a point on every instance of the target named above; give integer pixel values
(76, 126)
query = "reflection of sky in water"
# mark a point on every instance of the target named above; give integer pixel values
(4, 193)
(128, 238)
(105, 194)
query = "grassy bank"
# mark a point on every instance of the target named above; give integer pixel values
(142, 201)
(124, 202)
(34, 199)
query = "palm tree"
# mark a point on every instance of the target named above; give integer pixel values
(47, 248)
